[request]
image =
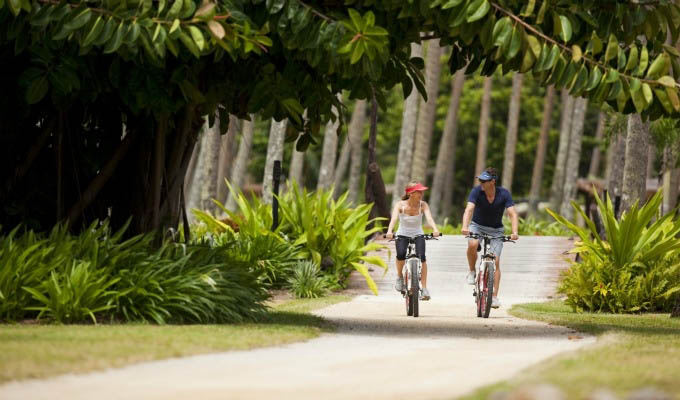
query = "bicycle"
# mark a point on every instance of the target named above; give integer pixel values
(485, 273)
(412, 272)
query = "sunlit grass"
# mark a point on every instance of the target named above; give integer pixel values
(632, 352)
(38, 351)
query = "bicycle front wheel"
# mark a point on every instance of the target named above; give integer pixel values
(415, 288)
(407, 294)
(487, 294)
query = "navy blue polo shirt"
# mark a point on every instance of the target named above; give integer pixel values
(490, 214)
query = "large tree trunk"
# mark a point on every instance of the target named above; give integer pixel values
(328, 155)
(204, 187)
(557, 186)
(446, 156)
(355, 132)
(541, 147)
(594, 169)
(375, 186)
(226, 160)
(297, 163)
(511, 135)
(427, 112)
(670, 159)
(616, 158)
(277, 134)
(484, 121)
(355, 168)
(406, 138)
(635, 167)
(573, 157)
(651, 158)
(240, 167)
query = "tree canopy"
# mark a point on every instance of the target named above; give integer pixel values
(158, 66)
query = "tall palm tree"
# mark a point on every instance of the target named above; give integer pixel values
(573, 157)
(297, 162)
(277, 134)
(328, 154)
(541, 147)
(484, 121)
(635, 167)
(446, 156)
(355, 166)
(204, 186)
(594, 169)
(227, 149)
(355, 131)
(426, 112)
(557, 186)
(406, 137)
(240, 166)
(511, 135)
(616, 158)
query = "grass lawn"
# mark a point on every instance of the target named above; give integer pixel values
(632, 352)
(37, 351)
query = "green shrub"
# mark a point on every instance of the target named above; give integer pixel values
(306, 280)
(96, 275)
(635, 269)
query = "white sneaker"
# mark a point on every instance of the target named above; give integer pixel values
(495, 303)
(426, 294)
(399, 284)
(471, 278)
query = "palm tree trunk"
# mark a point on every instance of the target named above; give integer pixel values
(375, 186)
(594, 169)
(427, 112)
(407, 136)
(446, 156)
(573, 157)
(297, 163)
(240, 167)
(354, 133)
(616, 156)
(511, 136)
(227, 156)
(355, 169)
(541, 147)
(204, 187)
(635, 167)
(277, 133)
(328, 155)
(651, 158)
(557, 186)
(484, 120)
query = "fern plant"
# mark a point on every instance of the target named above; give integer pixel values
(306, 280)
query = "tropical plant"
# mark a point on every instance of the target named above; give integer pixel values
(307, 281)
(634, 269)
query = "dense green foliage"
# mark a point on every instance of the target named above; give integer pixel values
(306, 280)
(637, 267)
(99, 276)
(329, 232)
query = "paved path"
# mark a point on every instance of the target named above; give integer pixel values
(378, 352)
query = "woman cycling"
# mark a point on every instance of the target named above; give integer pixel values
(410, 210)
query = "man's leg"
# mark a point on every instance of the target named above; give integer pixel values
(472, 254)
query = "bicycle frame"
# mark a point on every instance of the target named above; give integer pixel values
(413, 268)
(485, 272)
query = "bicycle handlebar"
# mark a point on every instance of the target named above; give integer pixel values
(478, 236)
(426, 236)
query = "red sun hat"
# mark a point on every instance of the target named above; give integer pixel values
(415, 188)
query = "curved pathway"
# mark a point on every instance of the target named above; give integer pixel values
(377, 353)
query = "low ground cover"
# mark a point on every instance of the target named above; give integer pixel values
(633, 351)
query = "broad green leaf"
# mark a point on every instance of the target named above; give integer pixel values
(595, 77)
(672, 50)
(642, 65)
(552, 57)
(197, 36)
(206, 11)
(477, 10)
(515, 42)
(174, 26)
(638, 100)
(580, 81)
(529, 9)
(95, 31)
(667, 81)
(451, 4)
(612, 48)
(502, 31)
(612, 76)
(528, 61)
(174, 10)
(663, 99)
(673, 97)
(37, 90)
(635, 85)
(647, 92)
(14, 6)
(659, 66)
(79, 20)
(632, 58)
(534, 45)
(357, 21)
(116, 40)
(274, 6)
(189, 44)
(595, 44)
(563, 27)
(105, 35)
(541, 12)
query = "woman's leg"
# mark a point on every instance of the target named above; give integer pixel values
(400, 267)
(423, 276)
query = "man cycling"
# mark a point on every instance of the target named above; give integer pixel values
(484, 215)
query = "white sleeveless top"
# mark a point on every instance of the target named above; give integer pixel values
(411, 225)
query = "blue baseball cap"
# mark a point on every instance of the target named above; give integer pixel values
(485, 176)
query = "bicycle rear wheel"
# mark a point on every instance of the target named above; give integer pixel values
(415, 288)
(487, 295)
(407, 295)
